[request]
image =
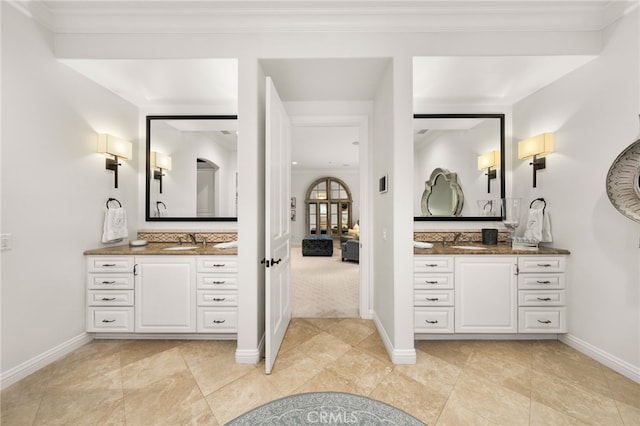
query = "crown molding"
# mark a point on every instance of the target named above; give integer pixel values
(229, 17)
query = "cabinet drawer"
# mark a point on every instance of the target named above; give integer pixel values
(110, 264)
(217, 320)
(217, 263)
(110, 298)
(433, 320)
(541, 264)
(213, 298)
(433, 298)
(114, 319)
(110, 281)
(432, 281)
(219, 282)
(541, 298)
(542, 320)
(433, 264)
(540, 281)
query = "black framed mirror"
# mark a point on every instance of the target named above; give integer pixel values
(471, 146)
(191, 168)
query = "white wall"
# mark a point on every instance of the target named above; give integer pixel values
(300, 181)
(594, 115)
(54, 189)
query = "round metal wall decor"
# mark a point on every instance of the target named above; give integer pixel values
(623, 182)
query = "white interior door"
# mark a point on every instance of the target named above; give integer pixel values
(277, 224)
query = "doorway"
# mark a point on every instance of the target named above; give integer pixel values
(327, 286)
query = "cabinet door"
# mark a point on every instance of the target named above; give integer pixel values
(486, 298)
(165, 294)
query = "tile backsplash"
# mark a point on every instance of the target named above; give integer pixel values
(447, 235)
(173, 236)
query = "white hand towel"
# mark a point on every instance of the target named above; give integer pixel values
(223, 246)
(421, 244)
(534, 225)
(115, 225)
(546, 229)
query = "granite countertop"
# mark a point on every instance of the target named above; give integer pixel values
(158, 249)
(505, 249)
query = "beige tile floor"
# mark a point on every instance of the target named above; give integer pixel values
(122, 382)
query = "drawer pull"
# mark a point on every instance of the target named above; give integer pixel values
(433, 299)
(431, 282)
(545, 265)
(544, 299)
(220, 265)
(544, 322)
(108, 265)
(218, 299)
(107, 299)
(431, 321)
(107, 321)
(218, 321)
(431, 265)
(108, 282)
(218, 282)
(543, 282)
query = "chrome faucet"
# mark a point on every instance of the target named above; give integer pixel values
(193, 238)
(456, 236)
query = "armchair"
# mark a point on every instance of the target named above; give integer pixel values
(351, 250)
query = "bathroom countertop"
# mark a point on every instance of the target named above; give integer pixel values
(504, 249)
(158, 249)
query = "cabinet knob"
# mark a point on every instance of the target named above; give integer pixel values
(218, 265)
(545, 265)
(544, 321)
(218, 299)
(107, 321)
(218, 321)
(544, 299)
(107, 299)
(108, 282)
(431, 265)
(108, 265)
(431, 282)
(431, 321)
(218, 282)
(543, 282)
(433, 299)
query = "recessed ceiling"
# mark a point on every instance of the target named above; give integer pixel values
(166, 82)
(486, 80)
(319, 147)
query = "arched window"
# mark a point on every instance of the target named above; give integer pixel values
(328, 207)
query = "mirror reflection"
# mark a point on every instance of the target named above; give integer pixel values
(192, 168)
(467, 146)
(442, 195)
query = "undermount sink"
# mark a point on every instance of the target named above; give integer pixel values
(469, 247)
(180, 248)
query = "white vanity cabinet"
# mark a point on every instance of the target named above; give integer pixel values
(541, 294)
(110, 284)
(162, 294)
(433, 294)
(217, 294)
(489, 294)
(486, 294)
(165, 293)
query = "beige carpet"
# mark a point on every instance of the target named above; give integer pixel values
(324, 287)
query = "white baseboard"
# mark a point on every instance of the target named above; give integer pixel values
(398, 356)
(166, 336)
(481, 336)
(616, 364)
(250, 356)
(19, 372)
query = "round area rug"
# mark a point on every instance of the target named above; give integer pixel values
(325, 408)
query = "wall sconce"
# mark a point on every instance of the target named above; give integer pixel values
(536, 148)
(161, 162)
(487, 162)
(119, 148)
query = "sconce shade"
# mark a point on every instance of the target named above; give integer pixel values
(489, 160)
(540, 146)
(160, 161)
(111, 145)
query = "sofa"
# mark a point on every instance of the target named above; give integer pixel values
(351, 250)
(317, 245)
